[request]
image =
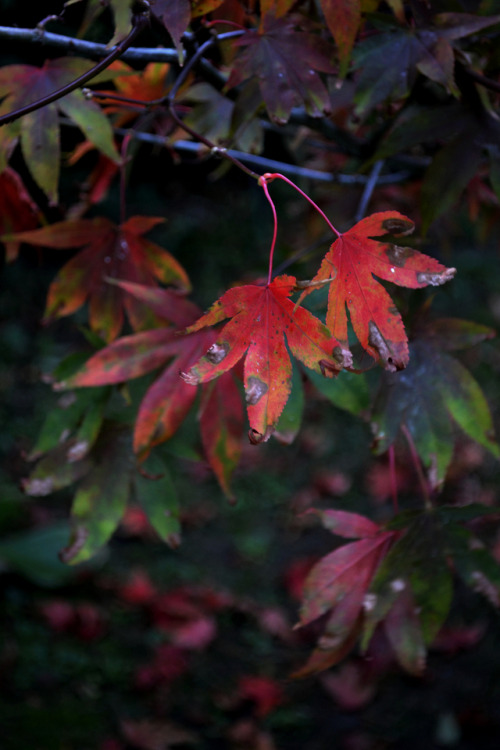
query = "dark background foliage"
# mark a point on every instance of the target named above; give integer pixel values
(150, 647)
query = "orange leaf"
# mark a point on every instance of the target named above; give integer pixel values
(350, 263)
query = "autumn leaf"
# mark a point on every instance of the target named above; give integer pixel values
(338, 584)
(221, 427)
(390, 61)
(18, 212)
(343, 18)
(38, 131)
(262, 318)
(285, 62)
(168, 400)
(432, 395)
(145, 85)
(350, 264)
(110, 251)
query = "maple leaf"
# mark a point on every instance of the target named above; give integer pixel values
(433, 393)
(390, 61)
(168, 400)
(110, 251)
(412, 589)
(261, 318)
(38, 131)
(285, 62)
(338, 585)
(17, 210)
(350, 263)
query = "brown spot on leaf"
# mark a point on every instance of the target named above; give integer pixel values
(191, 377)
(398, 255)
(382, 347)
(254, 390)
(436, 279)
(217, 352)
(398, 226)
(256, 437)
(342, 356)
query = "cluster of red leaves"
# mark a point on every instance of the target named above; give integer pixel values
(84, 621)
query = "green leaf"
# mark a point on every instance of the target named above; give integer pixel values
(77, 416)
(473, 562)
(100, 501)
(434, 389)
(417, 560)
(348, 390)
(157, 494)
(289, 423)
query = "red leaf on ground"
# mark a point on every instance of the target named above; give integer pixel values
(264, 692)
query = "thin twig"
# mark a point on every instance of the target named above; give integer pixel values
(488, 83)
(140, 22)
(263, 184)
(276, 176)
(369, 188)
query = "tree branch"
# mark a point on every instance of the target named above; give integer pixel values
(269, 165)
(139, 22)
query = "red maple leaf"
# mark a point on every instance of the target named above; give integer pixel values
(168, 400)
(262, 317)
(338, 585)
(349, 265)
(110, 251)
